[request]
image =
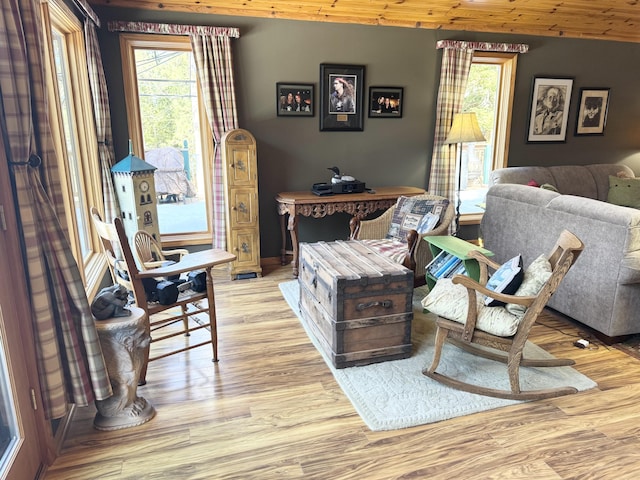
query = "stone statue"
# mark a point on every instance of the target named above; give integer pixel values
(110, 302)
(123, 342)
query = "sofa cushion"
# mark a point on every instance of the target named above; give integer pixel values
(535, 277)
(583, 180)
(624, 191)
(449, 300)
(413, 214)
(506, 280)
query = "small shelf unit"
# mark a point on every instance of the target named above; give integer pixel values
(453, 247)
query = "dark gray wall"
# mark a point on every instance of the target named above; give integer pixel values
(292, 152)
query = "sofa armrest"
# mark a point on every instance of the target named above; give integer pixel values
(630, 269)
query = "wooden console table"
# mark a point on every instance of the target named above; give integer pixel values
(308, 204)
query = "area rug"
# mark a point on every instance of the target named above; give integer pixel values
(395, 394)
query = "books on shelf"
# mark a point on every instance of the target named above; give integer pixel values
(445, 265)
(437, 262)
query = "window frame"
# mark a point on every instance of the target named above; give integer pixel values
(129, 42)
(58, 16)
(502, 128)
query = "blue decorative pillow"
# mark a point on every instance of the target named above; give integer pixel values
(506, 279)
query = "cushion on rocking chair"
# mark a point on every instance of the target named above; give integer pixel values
(536, 275)
(450, 301)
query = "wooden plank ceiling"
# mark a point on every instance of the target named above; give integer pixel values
(617, 20)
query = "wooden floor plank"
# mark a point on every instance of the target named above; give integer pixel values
(271, 409)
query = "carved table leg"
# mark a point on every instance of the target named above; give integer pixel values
(123, 341)
(283, 250)
(293, 231)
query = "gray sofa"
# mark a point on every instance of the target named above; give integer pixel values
(602, 290)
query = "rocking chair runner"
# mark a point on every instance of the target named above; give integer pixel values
(467, 335)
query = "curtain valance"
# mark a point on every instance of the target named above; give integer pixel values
(484, 46)
(171, 29)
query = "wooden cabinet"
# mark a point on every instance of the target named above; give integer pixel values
(240, 170)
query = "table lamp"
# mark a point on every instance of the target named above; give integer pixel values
(465, 129)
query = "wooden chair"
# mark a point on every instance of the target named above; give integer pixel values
(149, 254)
(470, 338)
(415, 253)
(126, 272)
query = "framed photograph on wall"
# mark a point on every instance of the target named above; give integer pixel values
(592, 111)
(294, 99)
(385, 102)
(341, 97)
(550, 99)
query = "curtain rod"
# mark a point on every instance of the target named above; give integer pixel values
(171, 29)
(86, 9)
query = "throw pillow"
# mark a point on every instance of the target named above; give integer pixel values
(548, 186)
(409, 214)
(624, 191)
(535, 276)
(505, 280)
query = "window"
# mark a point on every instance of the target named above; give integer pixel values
(75, 142)
(168, 128)
(489, 93)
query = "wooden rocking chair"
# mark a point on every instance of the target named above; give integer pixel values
(468, 337)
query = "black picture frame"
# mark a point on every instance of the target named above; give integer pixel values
(302, 107)
(385, 102)
(549, 113)
(592, 111)
(341, 112)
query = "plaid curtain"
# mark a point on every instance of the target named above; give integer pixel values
(456, 62)
(70, 365)
(457, 57)
(102, 116)
(215, 72)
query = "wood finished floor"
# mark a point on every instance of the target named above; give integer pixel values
(271, 409)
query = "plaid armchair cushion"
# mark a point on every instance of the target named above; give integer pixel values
(396, 251)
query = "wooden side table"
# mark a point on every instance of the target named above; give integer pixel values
(307, 204)
(458, 248)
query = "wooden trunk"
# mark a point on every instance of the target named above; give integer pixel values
(357, 303)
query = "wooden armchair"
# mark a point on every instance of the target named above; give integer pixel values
(126, 272)
(149, 253)
(413, 253)
(499, 321)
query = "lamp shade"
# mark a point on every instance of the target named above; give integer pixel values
(465, 129)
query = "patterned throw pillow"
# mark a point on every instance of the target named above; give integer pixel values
(412, 214)
(624, 191)
(505, 280)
